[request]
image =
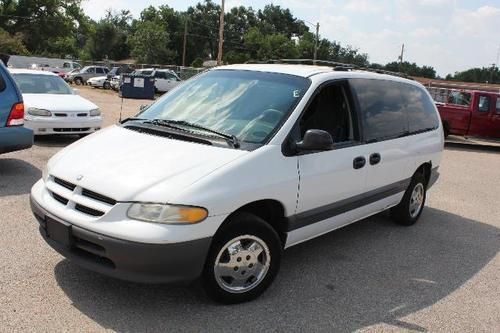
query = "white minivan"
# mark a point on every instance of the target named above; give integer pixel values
(219, 176)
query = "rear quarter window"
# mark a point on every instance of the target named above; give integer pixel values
(419, 109)
(381, 108)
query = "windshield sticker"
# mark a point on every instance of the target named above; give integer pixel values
(296, 93)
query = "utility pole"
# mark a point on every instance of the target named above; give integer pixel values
(185, 40)
(317, 42)
(221, 34)
(401, 57)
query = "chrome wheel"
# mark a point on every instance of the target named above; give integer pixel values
(242, 264)
(416, 200)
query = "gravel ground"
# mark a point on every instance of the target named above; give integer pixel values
(443, 274)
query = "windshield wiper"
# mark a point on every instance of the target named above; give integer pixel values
(131, 118)
(172, 123)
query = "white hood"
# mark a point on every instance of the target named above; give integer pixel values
(130, 166)
(58, 102)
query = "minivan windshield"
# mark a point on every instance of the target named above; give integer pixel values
(42, 84)
(248, 105)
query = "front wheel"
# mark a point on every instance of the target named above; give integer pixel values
(78, 81)
(411, 206)
(243, 261)
(106, 85)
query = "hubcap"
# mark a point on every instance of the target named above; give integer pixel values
(416, 200)
(242, 264)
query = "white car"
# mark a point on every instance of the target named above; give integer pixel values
(218, 177)
(165, 79)
(99, 82)
(52, 107)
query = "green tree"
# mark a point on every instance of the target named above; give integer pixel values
(12, 44)
(150, 44)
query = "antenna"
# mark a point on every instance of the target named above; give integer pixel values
(121, 110)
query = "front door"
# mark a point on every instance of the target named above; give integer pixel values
(481, 123)
(331, 182)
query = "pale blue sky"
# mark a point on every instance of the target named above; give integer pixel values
(451, 35)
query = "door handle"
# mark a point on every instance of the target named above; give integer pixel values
(358, 162)
(375, 158)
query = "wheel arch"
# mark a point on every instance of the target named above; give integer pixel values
(425, 170)
(270, 210)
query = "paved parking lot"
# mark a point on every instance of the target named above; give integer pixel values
(442, 274)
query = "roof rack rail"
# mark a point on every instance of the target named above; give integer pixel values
(336, 66)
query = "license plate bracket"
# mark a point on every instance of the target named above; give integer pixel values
(59, 231)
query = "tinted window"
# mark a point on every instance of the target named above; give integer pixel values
(99, 70)
(160, 75)
(419, 108)
(91, 70)
(381, 108)
(483, 104)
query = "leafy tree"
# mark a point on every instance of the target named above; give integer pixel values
(12, 44)
(150, 44)
(479, 75)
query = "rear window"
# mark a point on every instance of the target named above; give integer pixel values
(381, 109)
(419, 108)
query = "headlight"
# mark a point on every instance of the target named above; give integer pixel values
(95, 113)
(39, 112)
(169, 214)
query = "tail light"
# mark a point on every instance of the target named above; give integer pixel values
(16, 116)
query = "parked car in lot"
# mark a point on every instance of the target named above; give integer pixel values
(469, 113)
(52, 107)
(99, 82)
(165, 79)
(86, 73)
(216, 178)
(13, 135)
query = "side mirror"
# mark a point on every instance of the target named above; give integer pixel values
(315, 139)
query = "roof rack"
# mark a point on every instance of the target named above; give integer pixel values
(336, 66)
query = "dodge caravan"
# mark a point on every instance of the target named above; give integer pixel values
(219, 176)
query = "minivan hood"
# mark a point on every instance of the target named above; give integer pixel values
(129, 166)
(58, 102)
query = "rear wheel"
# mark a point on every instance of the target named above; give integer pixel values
(243, 261)
(411, 206)
(78, 81)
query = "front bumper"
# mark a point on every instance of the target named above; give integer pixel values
(63, 125)
(126, 260)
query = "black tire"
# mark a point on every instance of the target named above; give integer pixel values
(242, 224)
(402, 213)
(78, 81)
(106, 85)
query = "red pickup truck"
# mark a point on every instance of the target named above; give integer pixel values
(469, 113)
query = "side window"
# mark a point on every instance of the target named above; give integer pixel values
(91, 70)
(160, 75)
(66, 65)
(381, 109)
(171, 76)
(483, 104)
(330, 111)
(498, 105)
(419, 109)
(99, 70)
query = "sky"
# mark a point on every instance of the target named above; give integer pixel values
(450, 35)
